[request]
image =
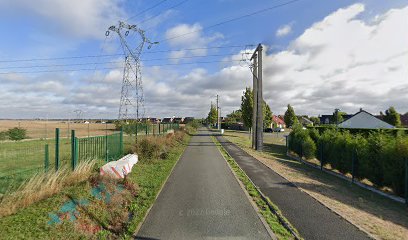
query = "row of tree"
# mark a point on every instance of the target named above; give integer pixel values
(244, 114)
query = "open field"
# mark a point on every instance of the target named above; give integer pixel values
(43, 129)
(375, 214)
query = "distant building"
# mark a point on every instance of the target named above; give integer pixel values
(304, 121)
(178, 120)
(167, 120)
(188, 119)
(328, 119)
(404, 120)
(366, 120)
(278, 122)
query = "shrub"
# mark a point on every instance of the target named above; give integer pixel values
(379, 156)
(17, 134)
(3, 136)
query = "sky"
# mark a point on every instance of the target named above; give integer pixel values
(319, 55)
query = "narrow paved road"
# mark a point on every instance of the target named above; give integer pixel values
(202, 200)
(312, 219)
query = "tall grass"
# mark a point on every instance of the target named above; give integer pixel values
(44, 185)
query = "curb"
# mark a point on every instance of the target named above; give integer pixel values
(266, 199)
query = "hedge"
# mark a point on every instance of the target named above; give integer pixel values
(378, 156)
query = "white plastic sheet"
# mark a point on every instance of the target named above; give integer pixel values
(121, 167)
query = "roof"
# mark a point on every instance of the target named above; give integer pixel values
(278, 119)
(404, 120)
(364, 119)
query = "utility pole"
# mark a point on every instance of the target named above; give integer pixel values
(255, 96)
(218, 115)
(257, 122)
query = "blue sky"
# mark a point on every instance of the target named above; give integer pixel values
(291, 34)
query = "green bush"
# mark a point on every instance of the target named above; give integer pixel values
(379, 156)
(3, 136)
(17, 134)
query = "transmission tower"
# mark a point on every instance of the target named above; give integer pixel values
(131, 99)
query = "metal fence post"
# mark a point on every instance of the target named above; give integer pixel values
(121, 142)
(159, 128)
(321, 156)
(73, 150)
(353, 165)
(46, 158)
(146, 129)
(57, 143)
(106, 148)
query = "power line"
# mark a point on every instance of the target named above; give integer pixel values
(231, 20)
(114, 62)
(121, 54)
(110, 68)
(147, 9)
(155, 16)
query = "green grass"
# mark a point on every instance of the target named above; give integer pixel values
(271, 218)
(32, 221)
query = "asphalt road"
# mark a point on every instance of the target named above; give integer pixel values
(311, 219)
(202, 200)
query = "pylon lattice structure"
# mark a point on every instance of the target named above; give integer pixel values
(131, 100)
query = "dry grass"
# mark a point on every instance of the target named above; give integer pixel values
(382, 218)
(37, 129)
(42, 186)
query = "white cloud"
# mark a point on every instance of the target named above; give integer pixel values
(341, 61)
(189, 37)
(82, 18)
(284, 30)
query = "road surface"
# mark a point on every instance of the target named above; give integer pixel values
(202, 200)
(309, 217)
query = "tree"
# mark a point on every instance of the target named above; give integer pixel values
(235, 116)
(338, 116)
(392, 117)
(315, 120)
(267, 115)
(247, 104)
(290, 117)
(212, 115)
(17, 134)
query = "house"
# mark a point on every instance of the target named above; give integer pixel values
(404, 120)
(364, 119)
(167, 120)
(178, 120)
(304, 121)
(328, 119)
(278, 122)
(188, 119)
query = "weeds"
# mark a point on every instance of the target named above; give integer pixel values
(44, 185)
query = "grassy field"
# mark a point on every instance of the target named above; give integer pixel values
(94, 220)
(381, 217)
(46, 129)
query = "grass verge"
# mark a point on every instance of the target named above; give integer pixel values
(97, 208)
(273, 217)
(374, 214)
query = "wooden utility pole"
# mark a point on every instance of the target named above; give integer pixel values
(218, 115)
(257, 118)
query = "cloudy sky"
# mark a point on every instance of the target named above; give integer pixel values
(319, 55)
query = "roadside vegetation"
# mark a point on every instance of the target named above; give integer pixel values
(90, 206)
(273, 217)
(379, 158)
(378, 216)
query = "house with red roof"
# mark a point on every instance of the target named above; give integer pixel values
(278, 122)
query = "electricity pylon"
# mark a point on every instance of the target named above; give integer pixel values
(131, 99)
